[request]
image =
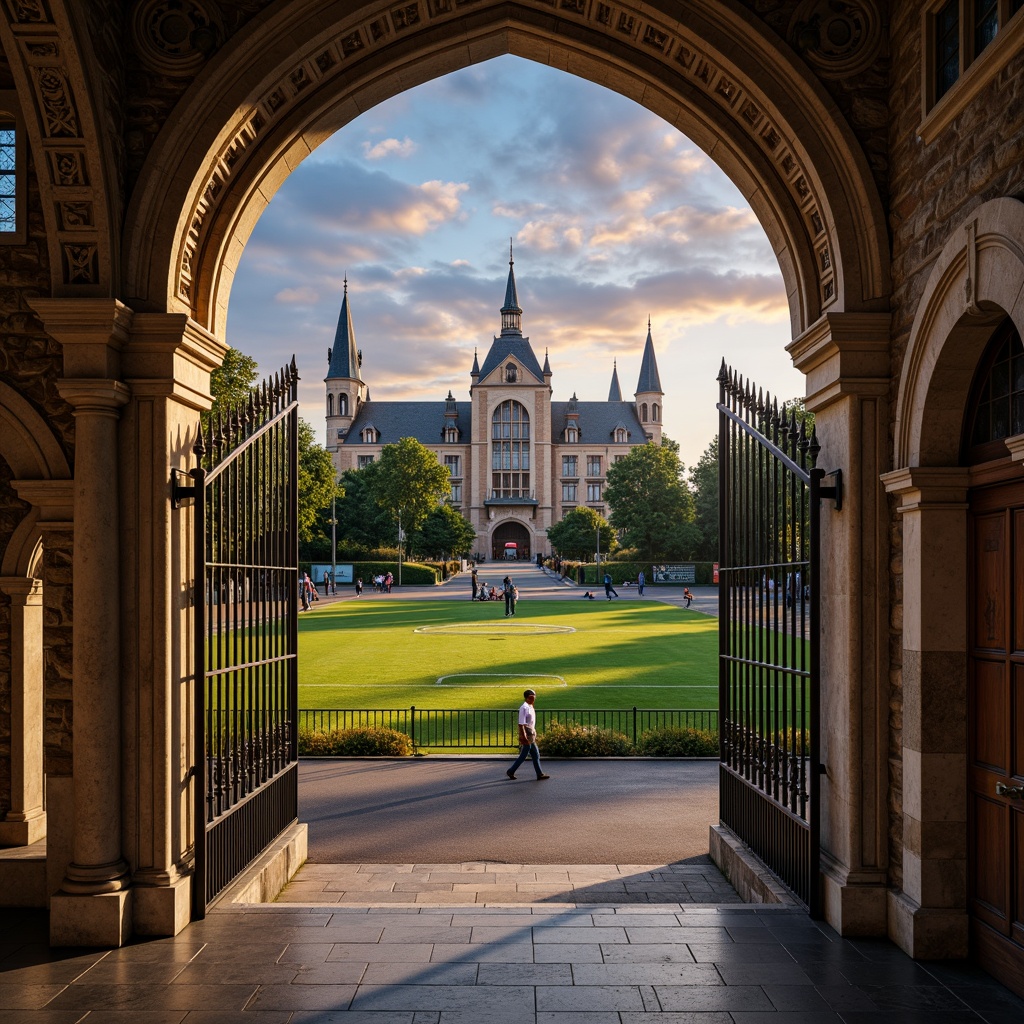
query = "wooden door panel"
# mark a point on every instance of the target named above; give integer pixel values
(990, 857)
(988, 699)
(990, 582)
(1018, 575)
(1016, 716)
(1017, 869)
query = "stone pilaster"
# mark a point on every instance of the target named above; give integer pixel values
(928, 918)
(93, 906)
(167, 364)
(25, 822)
(845, 357)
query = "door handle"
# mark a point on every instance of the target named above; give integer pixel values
(1013, 792)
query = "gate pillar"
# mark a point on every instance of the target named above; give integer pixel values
(845, 357)
(928, 915)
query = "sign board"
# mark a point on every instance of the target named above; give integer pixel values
(344, 575)
(686, 573)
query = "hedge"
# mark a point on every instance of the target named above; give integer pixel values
(355, 743)
(574, 740)
(673, 741)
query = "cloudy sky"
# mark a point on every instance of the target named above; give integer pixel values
(614, 216)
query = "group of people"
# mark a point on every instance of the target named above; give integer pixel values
(509, 591)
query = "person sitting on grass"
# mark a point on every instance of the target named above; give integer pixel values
(493, 594)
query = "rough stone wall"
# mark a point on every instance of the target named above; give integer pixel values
(934, 188)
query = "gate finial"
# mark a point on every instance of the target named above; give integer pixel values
(813, 448)
(723, 374)
(199, 449)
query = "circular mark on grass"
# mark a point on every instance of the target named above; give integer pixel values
(463, 679)
(494, 629)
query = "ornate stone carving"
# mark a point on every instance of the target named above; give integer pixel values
(68, 167)
(28, 12)
(79, 263)
(175, 37)
(59, 117)
(75, 214)
(837, 37)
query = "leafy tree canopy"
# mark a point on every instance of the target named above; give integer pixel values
(231, 382)
(361, 521)
(317, 484)
(576, 535)
(409, 481)
(704, 486)
(650, 502)
(444, 533)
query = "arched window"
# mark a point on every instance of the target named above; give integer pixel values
(995, 410)
(643, 413)
(655, 412)
(510, 451)
(370, 436)
(511, 373)
(571, 435)
(330, 405)
(620, 435)
(342, 405)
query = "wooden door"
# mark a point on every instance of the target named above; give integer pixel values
(995, 787)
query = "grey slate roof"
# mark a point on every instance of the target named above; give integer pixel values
(394, 420)
(597, 422)
(615, 392)
(649, 378)
(344, 361)
(512, 345)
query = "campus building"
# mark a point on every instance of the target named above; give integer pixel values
(880, 145)
(518, 460)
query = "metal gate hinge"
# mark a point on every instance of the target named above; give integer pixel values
(181, 492)
(834, 493)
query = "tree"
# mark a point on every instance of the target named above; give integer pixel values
(409, 482)
(651, 503)
(445, 532)
(704, 486)
(317, 483)
(361, 521)
(231, 383)
(576, 535)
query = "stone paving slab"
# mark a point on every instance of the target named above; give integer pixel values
(696, 964)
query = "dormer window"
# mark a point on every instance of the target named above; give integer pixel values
(511, 373)
(451, 435)
(370, 435)
(572, 435)
(620, 435)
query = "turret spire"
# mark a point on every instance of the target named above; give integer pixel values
(615, 392)
(511, 314)
(344, 354)
(650, 380)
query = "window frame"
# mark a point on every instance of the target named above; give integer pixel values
(594, 465)
(10, 110)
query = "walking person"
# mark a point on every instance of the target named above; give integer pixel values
(510, 593)
(528, 737)
(388, 583)
(687, 596)
(359, 586)
(474, 582)
(609, 590)
(327, 582)
(641, 579)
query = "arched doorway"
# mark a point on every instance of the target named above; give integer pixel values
(510, 532)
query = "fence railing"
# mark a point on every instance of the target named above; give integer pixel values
(483, 729)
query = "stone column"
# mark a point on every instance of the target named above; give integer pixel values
(928, 918)
(93, 907)
(846, 359)
(25, 822)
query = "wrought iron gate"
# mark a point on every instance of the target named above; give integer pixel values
(769, 646)
(246, 624)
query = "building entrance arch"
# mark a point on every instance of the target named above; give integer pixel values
(274, 93)
(511, 532)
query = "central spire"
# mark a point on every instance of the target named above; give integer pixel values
(511, 314)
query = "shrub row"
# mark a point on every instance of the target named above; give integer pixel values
(574, 740)
(355, 743)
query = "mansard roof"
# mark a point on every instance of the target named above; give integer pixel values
(424, 421)
(597, 421)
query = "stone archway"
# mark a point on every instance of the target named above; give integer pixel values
(40, 476)
(298, 75)
(511, 531)
(977, 281)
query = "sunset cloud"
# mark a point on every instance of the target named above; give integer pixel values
(389, 147)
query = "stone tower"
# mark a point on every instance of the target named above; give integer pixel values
(345, 388)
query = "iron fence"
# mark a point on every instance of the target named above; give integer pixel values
(489, 729)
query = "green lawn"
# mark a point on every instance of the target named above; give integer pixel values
(370, 654)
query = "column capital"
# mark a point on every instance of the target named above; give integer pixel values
(933, 487)
(843, 354)
(55, 500)
(22, 590)
(91, 331)
(95, 395)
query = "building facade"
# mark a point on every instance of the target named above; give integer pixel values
(881, 146)
(518, 460)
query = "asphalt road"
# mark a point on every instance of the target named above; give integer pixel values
(446, 810)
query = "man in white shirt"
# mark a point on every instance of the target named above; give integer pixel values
(528, 737)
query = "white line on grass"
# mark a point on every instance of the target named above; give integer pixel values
(495, 675)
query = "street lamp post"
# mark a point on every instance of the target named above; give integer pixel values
(400, 539)
(597, 563)
(334, 542)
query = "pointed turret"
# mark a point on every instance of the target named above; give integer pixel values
(475, 372)
(511, 314)
(344, 355)
(547, 364)
(648, 392)
(615, 392)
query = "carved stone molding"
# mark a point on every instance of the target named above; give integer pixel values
(175, 37)
(838, 38)
(664, 40)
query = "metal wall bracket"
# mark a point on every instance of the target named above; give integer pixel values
(181, 492)
(834, 493)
